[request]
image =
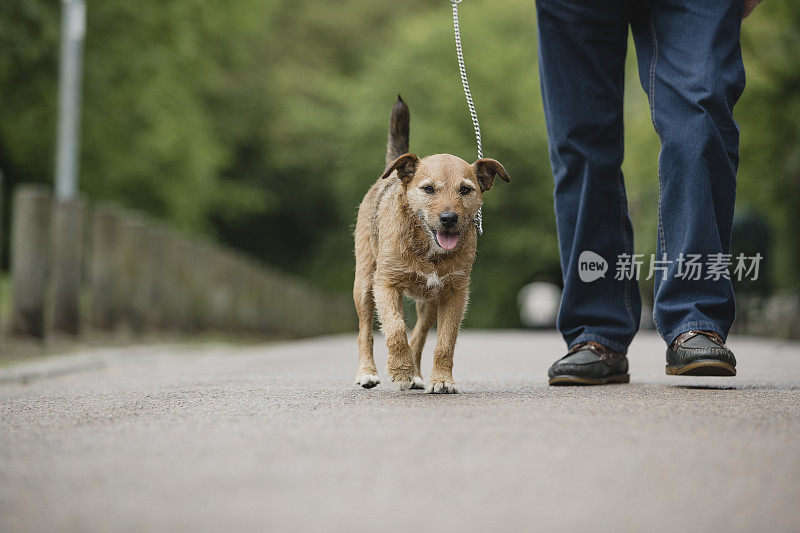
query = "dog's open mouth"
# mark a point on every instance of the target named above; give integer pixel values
(446, 240)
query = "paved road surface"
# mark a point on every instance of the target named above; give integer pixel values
(275, 438)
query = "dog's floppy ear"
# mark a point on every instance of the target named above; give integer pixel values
(486, 170)
(405, 165)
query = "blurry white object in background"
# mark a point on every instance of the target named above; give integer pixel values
(538, 304)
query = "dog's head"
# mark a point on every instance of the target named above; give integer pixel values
(445, 192)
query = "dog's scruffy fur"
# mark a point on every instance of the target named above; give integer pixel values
(416, 235)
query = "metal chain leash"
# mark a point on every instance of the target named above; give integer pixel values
(470, 104)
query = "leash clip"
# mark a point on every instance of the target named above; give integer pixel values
(479, 221)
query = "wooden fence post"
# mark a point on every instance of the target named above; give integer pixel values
(218, 290)
(158, 315)
(68, 220)
(173, 296)
(199, 286)
(104, 287)
(183, 282)
(142, 271)
(129, 271)
(30, 241)
(230, 278)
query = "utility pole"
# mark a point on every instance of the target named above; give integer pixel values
(73, 28)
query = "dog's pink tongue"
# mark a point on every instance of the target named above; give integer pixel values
(447, 241)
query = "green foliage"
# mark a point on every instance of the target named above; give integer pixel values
(28, 36)
(769, 116)
(263, 123)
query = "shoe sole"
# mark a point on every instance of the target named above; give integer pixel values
(578, 380)
(703, 367)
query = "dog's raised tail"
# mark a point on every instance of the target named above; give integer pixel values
(397, 144)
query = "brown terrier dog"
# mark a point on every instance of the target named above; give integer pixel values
(416, 235)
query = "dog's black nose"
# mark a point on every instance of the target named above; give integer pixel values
(448, 219)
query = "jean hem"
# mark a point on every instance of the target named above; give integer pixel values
(698, 325)
(608, 343)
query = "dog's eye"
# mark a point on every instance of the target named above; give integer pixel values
(464, 190)
(428, 189)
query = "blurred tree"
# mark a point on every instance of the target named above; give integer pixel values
(149, 140)
(279, 99)
(29, 32)
(769, 115)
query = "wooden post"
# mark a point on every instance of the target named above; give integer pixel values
(251, 283)
(191, 265)
(172, 288)
(218, 290)
(269, 292)
(142, 263)
(199, 285)
(130, 271)
(183, 283)
(30, 234)
(68, 219)
(242, 292)
(158, 314)
(230, 277)
(104, 252)
(263, 303)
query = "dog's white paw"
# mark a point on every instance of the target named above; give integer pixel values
(417, 383)
(441, 387)
(403, 384)
(367, 380)
(402, 378)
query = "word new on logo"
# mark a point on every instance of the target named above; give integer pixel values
(591, 266)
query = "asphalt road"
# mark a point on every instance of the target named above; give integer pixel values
(276, 438)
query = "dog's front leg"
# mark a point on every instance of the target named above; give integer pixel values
(426, 317)
(389, 302)
(452, 304)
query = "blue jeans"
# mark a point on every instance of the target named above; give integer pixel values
(690, 66)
